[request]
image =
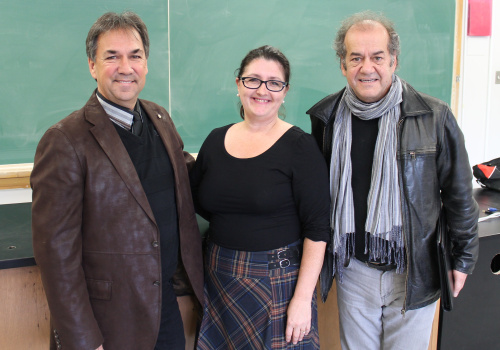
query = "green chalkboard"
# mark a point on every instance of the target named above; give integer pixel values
(44, 67)
(45, 74)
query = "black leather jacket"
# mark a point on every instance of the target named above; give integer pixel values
(434, 170)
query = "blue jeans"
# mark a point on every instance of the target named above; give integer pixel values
(370, 303)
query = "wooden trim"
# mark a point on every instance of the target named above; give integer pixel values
(15, 175)
(433, 344)
(25, 320)
(457, 56)
(18, 175)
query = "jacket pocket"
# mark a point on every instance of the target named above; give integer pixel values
(414, 154)
(99, 289)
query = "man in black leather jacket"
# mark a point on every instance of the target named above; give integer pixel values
(396, 156)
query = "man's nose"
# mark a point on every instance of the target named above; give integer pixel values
(367, 66)
(124, 66)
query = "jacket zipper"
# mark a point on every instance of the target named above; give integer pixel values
(400, 122)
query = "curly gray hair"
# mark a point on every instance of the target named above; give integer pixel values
(394, 46)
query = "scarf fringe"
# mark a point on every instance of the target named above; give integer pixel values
(383, 250)
(336, 260)
(344, 254)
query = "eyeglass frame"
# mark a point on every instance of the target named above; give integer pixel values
(285, 84)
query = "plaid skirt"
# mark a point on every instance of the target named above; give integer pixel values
(246, 301)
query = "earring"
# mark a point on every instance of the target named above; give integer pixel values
(283, 101)
(238, 94)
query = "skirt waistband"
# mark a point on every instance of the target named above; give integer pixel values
(244, 264)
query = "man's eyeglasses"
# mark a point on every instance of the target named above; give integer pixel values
(271, 85)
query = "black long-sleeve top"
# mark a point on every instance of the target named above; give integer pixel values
(267, 201)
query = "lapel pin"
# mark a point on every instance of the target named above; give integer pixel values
(159, 116)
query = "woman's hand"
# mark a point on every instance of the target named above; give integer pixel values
(298, 322)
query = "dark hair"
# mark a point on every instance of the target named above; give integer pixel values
(269, 53)
(394, 46)
(111, 21)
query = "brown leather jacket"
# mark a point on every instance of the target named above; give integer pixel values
(95, 238)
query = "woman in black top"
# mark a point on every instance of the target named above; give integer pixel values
(263, 186)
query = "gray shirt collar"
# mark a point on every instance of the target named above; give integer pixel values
(119, 115)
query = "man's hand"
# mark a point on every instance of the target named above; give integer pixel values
(458, 282)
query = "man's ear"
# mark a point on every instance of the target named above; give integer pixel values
(342, 66)
(394, 63)
(92, 69)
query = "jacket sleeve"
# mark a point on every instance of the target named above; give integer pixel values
(455, 178)
(317, 131)
(189, 160)
(58, 184)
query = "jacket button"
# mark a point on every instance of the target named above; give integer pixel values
(155, 244)
(156, 283)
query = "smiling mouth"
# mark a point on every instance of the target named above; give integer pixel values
(367, 80)
(260, 100)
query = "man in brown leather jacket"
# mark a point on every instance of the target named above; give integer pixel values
(112, 209)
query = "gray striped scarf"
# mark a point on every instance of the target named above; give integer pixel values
(383, 227)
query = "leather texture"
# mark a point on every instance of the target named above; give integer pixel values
(94, 234)
(433, 170)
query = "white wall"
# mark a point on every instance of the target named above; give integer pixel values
(479, 106)
(16, 195)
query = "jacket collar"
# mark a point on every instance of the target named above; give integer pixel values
(412, 104)
(326, 108)
(105, 134)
